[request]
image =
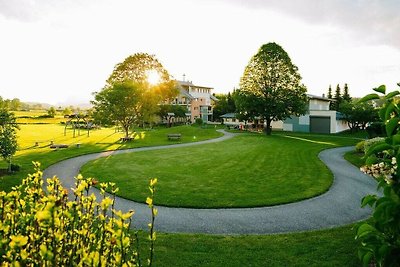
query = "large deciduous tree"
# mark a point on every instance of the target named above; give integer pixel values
(119, 103)
(271, 87)
(138, 68)
(8, 135)
(130, 97)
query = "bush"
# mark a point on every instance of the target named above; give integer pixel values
(370, 142)
(15, 167)
(360, 146)
(376, 129)
(43, 228)
(199, 121)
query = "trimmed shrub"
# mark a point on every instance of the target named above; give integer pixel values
(44, 228)
(360, 146)
(199, 121)
(370, 142)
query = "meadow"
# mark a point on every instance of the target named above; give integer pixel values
(330, 247)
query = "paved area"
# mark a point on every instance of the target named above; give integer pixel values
(339, 206)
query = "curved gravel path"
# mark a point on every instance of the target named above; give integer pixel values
(339, 206)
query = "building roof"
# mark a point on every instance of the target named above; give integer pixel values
(319, 97)
(214, 98)
(190, 83)
(228, 115)
(185, 93)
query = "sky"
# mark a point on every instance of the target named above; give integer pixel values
(60, 52)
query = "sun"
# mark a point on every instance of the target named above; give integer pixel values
(153, 77)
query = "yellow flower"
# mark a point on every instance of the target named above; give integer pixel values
(153, 182)
(18, 241)
(149, 201)
(43, 215)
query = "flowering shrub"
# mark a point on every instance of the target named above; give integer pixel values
(43, 228)
(380, 237)
(383, 169)
(370, 142)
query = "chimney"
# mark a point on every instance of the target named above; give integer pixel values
(183, 77)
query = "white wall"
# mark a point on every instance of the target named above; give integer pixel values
(317, 104)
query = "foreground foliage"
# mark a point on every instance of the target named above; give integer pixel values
(380, 238)
(43, 228)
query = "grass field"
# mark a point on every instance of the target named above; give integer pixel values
(246, 171)
(331, 247)
(99, 140)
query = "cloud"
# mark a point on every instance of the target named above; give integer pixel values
(370, 21)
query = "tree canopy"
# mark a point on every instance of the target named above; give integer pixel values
(271, 87)
(358, 115)
(129, 97)
(119, 103)
(138, 68)
(225, 104)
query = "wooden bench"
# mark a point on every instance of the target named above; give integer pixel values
(126, 139)
(58, 146)
(174, 136)
(129, 138)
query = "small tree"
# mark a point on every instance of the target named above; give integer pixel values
(346, 96)
(329, 92)
(358, 115)
(271, 87)
(8, 136)
(67, 111)
(337, 99)
(119, 103)
(51, 112)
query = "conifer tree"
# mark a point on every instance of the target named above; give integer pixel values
(338, 98)
(346, 96)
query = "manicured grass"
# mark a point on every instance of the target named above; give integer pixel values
(331, 247)
(355, 158)
(246, 171)
(99, 140)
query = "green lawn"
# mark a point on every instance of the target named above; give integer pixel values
(331, 247)
(246, 171)
(99, 140)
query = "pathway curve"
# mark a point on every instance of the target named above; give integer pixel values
(339, 206)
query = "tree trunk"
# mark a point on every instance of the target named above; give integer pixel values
(9, 165)
(126, 129)
(267, 128)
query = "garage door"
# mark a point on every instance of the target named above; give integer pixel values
(320, 124)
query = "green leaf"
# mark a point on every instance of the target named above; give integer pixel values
(371, 160)
(380, 89)
(382, 114)
(379, 147)
(368, 200)
(367, 258)
(392, 125)
(396, 139)
(369, 97)
(365, 229)
(388, 111)
(392, 94)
